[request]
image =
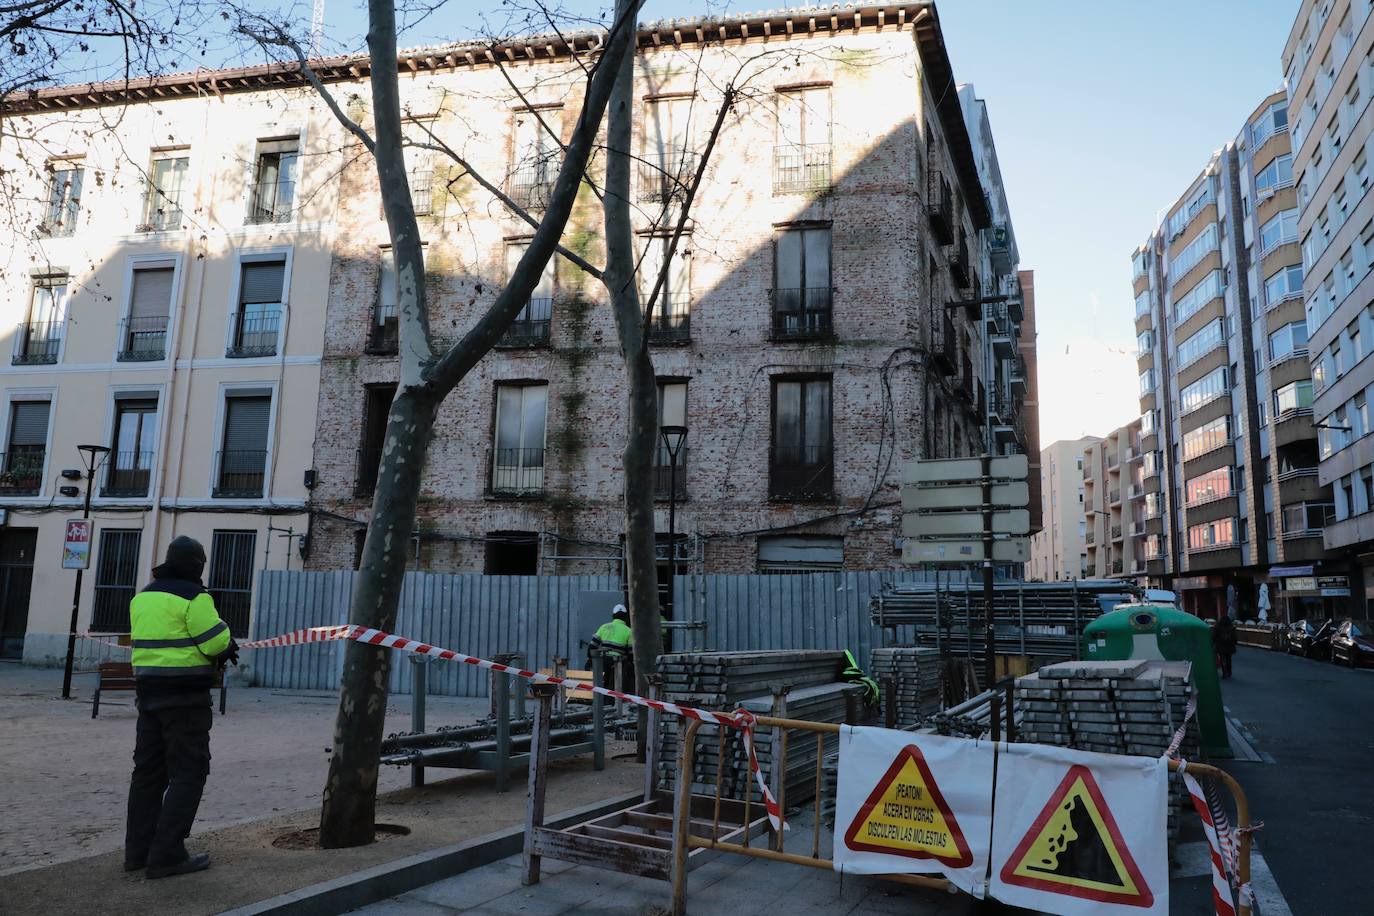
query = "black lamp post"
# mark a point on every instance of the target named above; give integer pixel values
(91, 456)
(673, 438)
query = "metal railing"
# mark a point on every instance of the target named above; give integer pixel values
(254, 333)
(272, 202)
(532, 326)
(664, 174)
(801, 167)
(940, 208)
(947, 345)
(801, 472)
(21, 470)
(517, 471)
(802, 312)
(1114, 496)
(1116, 532)
(142, 339)
(36, 343)
(385, 334)
(160, 212)
(1090, 537)
(128, 474)
(958, 264)
(664, 474)
(365, 473)
(239, 473)
(531, 185)
(672, 320)
(422, 191)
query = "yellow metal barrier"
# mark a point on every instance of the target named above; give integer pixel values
(697, 833)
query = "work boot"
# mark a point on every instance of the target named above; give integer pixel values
(197, 862)
(134, 864)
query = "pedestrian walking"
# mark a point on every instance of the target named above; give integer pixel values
(1224, 641)
(178, 642)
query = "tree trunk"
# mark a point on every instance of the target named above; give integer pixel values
(641, 433)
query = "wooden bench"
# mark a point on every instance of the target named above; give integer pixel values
(120, 676)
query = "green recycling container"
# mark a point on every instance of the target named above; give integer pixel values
(1164, 632)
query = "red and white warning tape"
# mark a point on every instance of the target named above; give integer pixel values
(1221, 884)
(1189, 711)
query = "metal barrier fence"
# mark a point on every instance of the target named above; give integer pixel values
(1261, 635)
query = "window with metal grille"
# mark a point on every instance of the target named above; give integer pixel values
(230, 580)
(802, 156)
(518, 461)
(116, 579)
(532, 326)
(253, 328)
(802, 460)
(144, 333)
(801, 283)
(671, 321)
(21, 466)
(274, 181)
(376, 409)
(243, 455)
(130, 465)
(38, 340)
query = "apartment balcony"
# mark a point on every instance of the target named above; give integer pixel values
(253, 334)
(945, 355)
(531, 185)
(1017, 376)
(802, 313)
(1137, 567)
(21, 470)
(959, 270)
(999, 247)
(940, 209)
(240, 474)
(36, 343)
(1116, 532)
(800, 168)
(384, 337)
(142, 339)
(801, 472)
(672, 320)
(1297, 474)
(1016, 301)
(160, 213)
(531, 328)
(128, 474)
(1090, 537)
(665, 477)
(517, 472)
(368, 465)
(665, 174)
(1137, 491)
(1118, 567)
(1293, 426)
(1113, 460)
(272, 202)
(1137, 529)
(1114, 497)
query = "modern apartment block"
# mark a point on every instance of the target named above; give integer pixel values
(163, 298)
(1113, 478)
(1329, 68)
(1230, 496)
(826, 321)
(1059, 550)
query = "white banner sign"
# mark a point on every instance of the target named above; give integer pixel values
(1080, 833)
(914, 804)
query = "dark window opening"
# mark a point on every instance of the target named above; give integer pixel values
(376, 408)
(512, 553)
(230, 579)
(802, 284)
(802, 459)
(116, 572)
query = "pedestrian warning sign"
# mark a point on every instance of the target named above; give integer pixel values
(1074, 847)
(906, 815)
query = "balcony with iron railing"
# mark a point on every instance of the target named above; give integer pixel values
(665, 476)
(128, 474)
(532, 327)
(160, 212)
(1114, 497)
(801, 472)
(253, 333)
(272, 202)
(798, 168)
(940, 208)
(1137, 529)
(959, 270)
(1118, 566)
(142, 339)
(37, 343)
(802, 313)
(21, 470)
(671, 322)
(1090, 537)
(531, 184)
(385, 334)
(666, 174)
(240, 474)
(1116, 532)
(945, 355)
(517, 472)
(1306, 520)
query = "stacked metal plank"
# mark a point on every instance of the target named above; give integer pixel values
(913, 675)
(726, 681)
(1122, 707)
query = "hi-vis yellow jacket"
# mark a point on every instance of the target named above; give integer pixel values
(177, 633)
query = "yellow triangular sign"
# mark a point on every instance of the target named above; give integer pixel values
(1075, 848)
(906, 815)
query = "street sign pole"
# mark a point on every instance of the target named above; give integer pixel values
(989, 658)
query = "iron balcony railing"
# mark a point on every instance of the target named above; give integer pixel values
(940, 208)
(1137, 529)
(422, 191)
(1117, 567)
(273, 202)
(385, 334)
(664, 474)
(801, 313)
(801, 472)
(672, 320)
(517, 471)
(1116, 532)
(801, 167)
(959, 270)
(1090, 537)
(1114, 496)
(160, 212)
(946, 345)
(21, 470)
(240, 473)
(369, 463)
(532, 327)
(37, 342)
(142, 339)
(128, 474)
(531, 185)
(254, 333)
(665, 174)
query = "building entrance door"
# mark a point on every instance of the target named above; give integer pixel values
(16, 578)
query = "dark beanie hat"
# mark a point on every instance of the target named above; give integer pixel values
(185, 553)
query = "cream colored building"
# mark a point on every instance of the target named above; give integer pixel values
(169, 306)
(1058, 552)
(1114, 534)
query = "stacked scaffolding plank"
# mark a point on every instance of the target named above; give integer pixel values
(912, 675)
(799, 684)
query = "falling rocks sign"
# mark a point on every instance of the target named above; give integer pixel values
(1078, 833)
(910, 803)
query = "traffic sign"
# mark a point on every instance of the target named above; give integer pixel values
(1013, 495)
(1012, 550)
(942, 470)
(907, 815)
(947, 524)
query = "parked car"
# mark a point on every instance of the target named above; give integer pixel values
(1353, 644)
(1310, 639)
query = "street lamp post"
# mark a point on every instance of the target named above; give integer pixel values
(91, 456)
(673, 437)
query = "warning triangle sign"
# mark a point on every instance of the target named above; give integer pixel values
(1075, 848)
(906, 815)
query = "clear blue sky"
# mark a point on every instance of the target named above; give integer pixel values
(1103, 112)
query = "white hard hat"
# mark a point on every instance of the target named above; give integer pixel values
(620, 609)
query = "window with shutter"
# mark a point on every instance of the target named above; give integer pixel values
(243, 453)
(144, 334)
(28, 445)
(253, 328)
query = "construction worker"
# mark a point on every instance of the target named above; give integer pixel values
(614, 640)
(178, 642)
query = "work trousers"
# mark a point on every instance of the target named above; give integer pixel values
(1225, 659)
(171, 762)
